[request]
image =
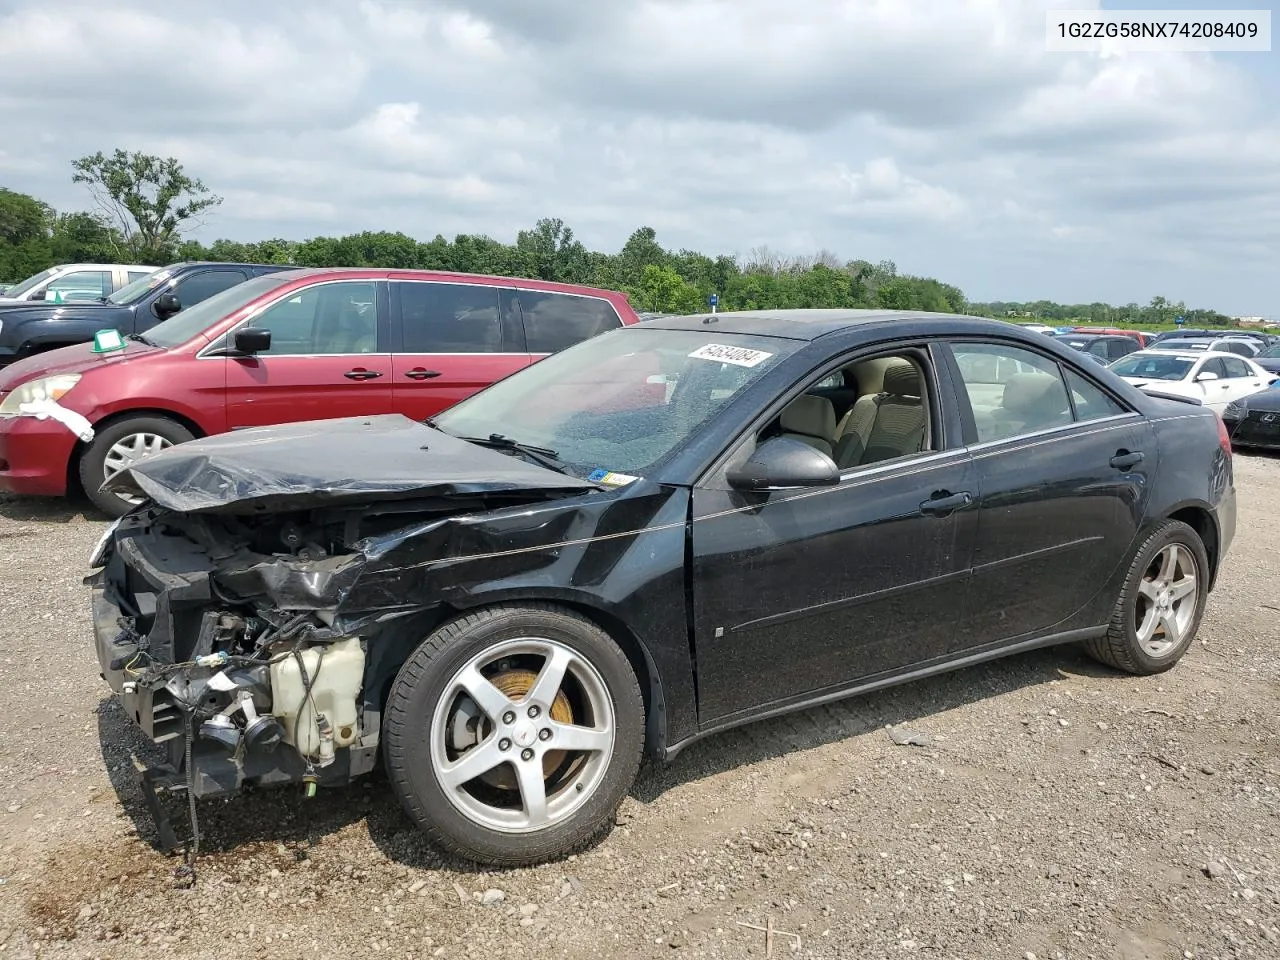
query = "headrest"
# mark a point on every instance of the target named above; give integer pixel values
(1028, 392)
(902, 380)
(810, 415)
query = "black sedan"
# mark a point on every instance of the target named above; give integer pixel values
(1254, 421)
(663, 532)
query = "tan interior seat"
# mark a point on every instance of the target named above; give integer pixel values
(811, 420)
(1031, 401)
(885, 425)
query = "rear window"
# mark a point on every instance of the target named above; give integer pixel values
(554, 321)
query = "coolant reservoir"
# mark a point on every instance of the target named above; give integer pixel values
(337, 672)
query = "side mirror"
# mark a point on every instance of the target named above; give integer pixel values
(168, 304)
(781, 463)
(251, 340)
(38, 295)
(1206, 376)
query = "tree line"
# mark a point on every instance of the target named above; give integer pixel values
(143, 206)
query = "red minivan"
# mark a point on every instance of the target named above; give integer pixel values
(299, 345)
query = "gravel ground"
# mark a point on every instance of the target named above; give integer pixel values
(1056, 809)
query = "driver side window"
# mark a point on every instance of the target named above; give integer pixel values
(327, 319)
(888, 419)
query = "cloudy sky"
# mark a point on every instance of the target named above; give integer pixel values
(937, 133)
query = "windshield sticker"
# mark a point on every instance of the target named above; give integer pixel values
(610, 479)
(738, 356)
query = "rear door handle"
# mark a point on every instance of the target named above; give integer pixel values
(944, 503)
(360, 373)
(419, 373)
(1123, 459)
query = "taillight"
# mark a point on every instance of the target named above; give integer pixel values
(1224, 438)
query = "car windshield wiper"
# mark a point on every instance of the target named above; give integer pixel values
(140, 338)
(543, 456)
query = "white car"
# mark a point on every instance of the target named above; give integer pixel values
(72, 282)
(1213, 377)
(1038, 327)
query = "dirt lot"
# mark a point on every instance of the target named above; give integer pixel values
(1058, 810)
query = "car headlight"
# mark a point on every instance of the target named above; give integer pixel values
(33, 391)
(1235, 409)
(99, 555)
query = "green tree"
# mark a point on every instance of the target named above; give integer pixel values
(83, 237)
(25, 246)
(551, 253)
(662, 290)
(149, 200)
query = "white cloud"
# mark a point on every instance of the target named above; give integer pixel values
(936, 132)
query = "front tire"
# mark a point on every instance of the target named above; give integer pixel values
(119, 445)
(513, 733)
(1161, 605)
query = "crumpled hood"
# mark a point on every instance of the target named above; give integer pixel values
(318, 463)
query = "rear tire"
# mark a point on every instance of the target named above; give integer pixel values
(1159, 610)
(110, 451)
(513, 733)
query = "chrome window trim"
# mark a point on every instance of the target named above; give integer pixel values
(1039, 437)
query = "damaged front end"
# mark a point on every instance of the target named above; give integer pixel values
(253, 629)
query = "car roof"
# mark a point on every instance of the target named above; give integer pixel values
(797, 324)
(102, 266)
(1188, 354)
(394, 273)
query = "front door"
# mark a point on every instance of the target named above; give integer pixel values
(799, 593)
(452, 339)
(1064, 477)
(327, 359)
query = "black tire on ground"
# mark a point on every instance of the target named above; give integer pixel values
(91, 461)
(406, 734)
(1120, 648)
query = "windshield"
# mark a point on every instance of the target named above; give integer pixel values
(622, 401)
(30, 283)
(1185, 344)
(140, 287)
(1151, 367)
(1078, 342)
(194, 320)
(1271, 353)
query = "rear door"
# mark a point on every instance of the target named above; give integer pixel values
(450, 339)
(1064, 468)
(1241, 380)
(328, 358)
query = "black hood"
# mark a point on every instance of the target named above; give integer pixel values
(1267, 401)
(299, 466)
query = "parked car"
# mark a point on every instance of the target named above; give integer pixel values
(511, 606)
(70, 282)
(1269, 359)
(30, 328)
(1102, 349)
(1242, 346)
(1212, 378)
(1254, 421)
(1142, 337)
(286, 346)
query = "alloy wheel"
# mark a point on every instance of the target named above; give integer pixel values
(1167, 600)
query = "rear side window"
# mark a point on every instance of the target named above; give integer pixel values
(554, 321)
(1012, 391)
(449, 317)
(1236, 368)
(202, 286)
(1121, 347)
(138, 275)
(1091, 402)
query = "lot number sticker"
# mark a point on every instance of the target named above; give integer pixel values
(738, 356)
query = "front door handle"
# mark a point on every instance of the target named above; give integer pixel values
(943, 503)
(360, 373)
(420, 373)
(1123, 459)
